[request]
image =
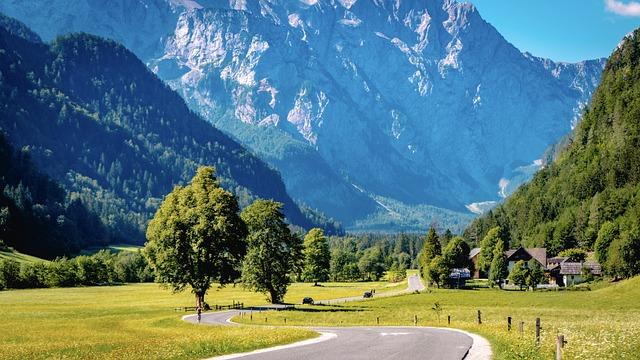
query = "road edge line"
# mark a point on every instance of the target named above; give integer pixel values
(480, 347)
(324, 336)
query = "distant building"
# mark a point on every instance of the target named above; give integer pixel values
(513, 256)
(474, 255)
(558, 270)
(568, 273)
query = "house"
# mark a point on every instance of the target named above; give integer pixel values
(474, 255)
(572, 273)
(513, 256)
(558, 270)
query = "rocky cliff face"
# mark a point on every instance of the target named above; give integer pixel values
(370, 109)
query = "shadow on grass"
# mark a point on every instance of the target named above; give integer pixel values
(333, 309)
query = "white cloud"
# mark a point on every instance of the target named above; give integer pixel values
(631, 8)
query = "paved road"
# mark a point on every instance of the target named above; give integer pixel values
(364, 343)
(361, 343)
(414, 284)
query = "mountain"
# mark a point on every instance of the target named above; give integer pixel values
(589, 196)
(97, 121)
(383, 114)
(36, 216)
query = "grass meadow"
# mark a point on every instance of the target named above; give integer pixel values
(598, 324)
(139, 322)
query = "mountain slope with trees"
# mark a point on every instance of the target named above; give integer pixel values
(94, 118)
(589, 197)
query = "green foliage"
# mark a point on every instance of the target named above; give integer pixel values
(498, 270)
(535, 274)
(36, 215)
(574, 255)
(9, 274)
(518, 275)
(487, 247)
(438, 271)
(197, 237)
(608, 232)
(456, 253)
(431, 248)
(270, 259)
(371, 264)
(317, 258)
(589, 197)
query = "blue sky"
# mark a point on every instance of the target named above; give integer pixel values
(563, 30)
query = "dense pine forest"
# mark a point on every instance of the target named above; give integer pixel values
(589, 197)
(94, 118)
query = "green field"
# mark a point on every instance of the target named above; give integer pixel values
(139, 321)
(19, 257)
(114, 248)
(598, 324)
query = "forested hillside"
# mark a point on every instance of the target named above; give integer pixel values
(589, 197)
(94, 118)
(36, 216)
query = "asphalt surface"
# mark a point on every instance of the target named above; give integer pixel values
(360, 342)
(414, 284)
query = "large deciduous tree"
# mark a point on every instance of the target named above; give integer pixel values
(271, 250)
(196, 237)
(317, 258)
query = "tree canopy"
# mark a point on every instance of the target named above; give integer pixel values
(317, 258)
(271, 251)
(196, 237)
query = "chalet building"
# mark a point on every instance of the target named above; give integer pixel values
(558, 270)
(566, 273)
(538, 254)
(474, 255)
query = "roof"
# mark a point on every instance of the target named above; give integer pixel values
(557, 259)
(539, 254)
(575, 268)
(474, 252)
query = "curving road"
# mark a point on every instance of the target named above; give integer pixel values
(366, 342)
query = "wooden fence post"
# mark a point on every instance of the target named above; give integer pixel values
(538, 331)
(265, 319)
(378, 320)
(559, 345)
(521, 328)
(285, 321)
(415, 320)
(449, 320)
(479, 317)
(508, 323)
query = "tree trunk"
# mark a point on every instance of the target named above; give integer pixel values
(315, 283)
(199, 300)
(274, 297)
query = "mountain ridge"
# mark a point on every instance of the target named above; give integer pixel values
(422, 103)
(97, 120)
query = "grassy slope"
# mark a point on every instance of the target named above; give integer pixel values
(138, 321)
(600, 324)
(19, 257)
(115, 248)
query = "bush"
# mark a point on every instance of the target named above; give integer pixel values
(9, 274)
(62, 273)
(33, 275)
